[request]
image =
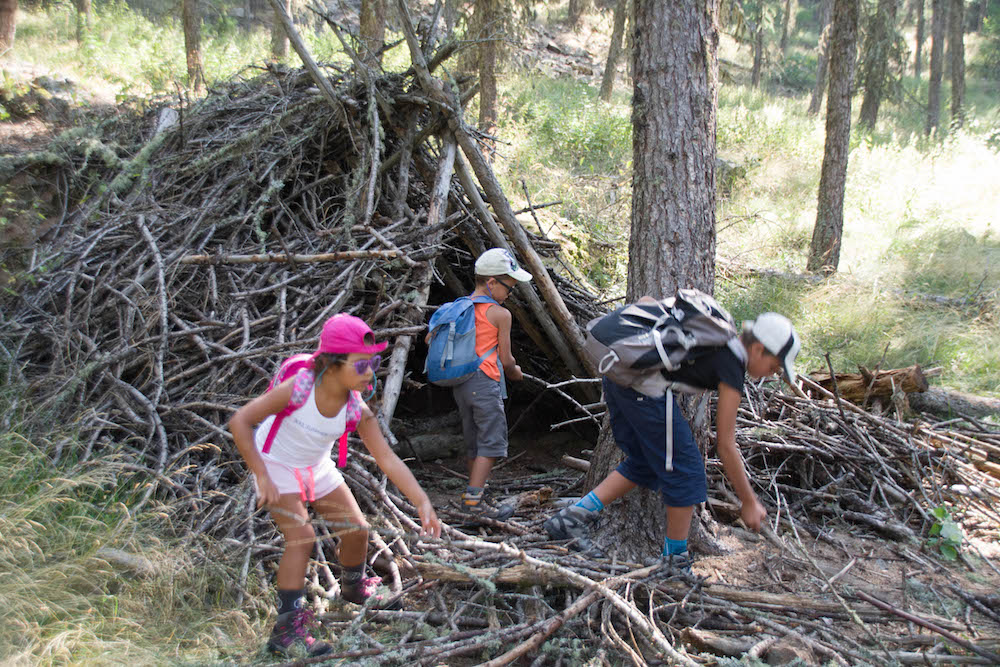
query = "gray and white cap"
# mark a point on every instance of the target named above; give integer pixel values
(776, 333)
(499, 262)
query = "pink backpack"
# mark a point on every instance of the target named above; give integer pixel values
(300, 366)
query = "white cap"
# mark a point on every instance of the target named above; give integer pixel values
(776, 333)
(499, 262)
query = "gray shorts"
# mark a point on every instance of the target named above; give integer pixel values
(484, 424)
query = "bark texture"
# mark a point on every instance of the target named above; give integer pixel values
(824, 251)
(956, 41)
(822, 58)
(372, 31)
(487, 24)
(191, 19)
(614, 50)
(918, 57)
(787, 24)
(937, 53)
(279, 37)
(875, 68)
(675, 73)
(82, 18)
(8, 23)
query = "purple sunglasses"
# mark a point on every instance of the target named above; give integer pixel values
(362, 365)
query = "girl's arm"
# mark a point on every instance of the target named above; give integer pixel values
(241, 426)
(752, 512)
(397, 471)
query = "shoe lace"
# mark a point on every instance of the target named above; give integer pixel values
(368, 585)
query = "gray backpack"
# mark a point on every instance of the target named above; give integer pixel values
(634, 344)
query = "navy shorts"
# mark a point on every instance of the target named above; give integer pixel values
(484, 423)
(639, 424)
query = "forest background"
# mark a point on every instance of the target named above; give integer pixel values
(918, 279)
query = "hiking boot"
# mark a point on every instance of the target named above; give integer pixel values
(482, 506)
(291, 630)
(574, 523)
(363, 589)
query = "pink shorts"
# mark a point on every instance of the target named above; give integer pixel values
(310, 482)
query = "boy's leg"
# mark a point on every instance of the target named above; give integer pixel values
(484, 425)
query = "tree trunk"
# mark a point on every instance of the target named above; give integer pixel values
(937, 50)
(8, 23)
(758, 54)
(672, 244)
(279, 37)
(824, 251)
(372, 31)
(946, 41)
(875, 68)
(575, 12)
(823, 57)
(614, 51)
(787, 25)
(918, 60)
(956, 42)
(487, 22)
(191, 19)
(82, 19)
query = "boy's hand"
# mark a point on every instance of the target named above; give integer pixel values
(516, 374)
(428, 519)
(753, 514)
(267, 491)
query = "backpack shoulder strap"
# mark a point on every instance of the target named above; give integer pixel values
(354, 412)
(302, 386)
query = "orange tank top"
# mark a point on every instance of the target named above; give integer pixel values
(486, 338)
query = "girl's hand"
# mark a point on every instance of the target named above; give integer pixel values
(428, 519)
(753, 514)
(267, 492)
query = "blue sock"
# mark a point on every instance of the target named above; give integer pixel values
(590, 502)
(672, 547)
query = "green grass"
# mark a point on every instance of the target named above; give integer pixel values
(65, 603)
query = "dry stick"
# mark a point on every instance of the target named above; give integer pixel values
(300, 48)
(436, 210)
(282, 257)
(950, 636)
(161, 285)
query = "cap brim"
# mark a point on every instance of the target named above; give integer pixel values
(520, 275)
(377, 347)
(789, 371)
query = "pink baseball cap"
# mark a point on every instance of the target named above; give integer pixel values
(347, 334)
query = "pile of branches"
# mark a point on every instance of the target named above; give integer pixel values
(219, 245)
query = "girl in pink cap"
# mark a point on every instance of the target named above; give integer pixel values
(295, 468)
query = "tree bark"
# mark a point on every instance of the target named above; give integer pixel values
(82, 19)
(917, 62)
(575, 12)
(824, 251)
(949, 404)
(956, 42)
(372, 31)
(758, 52)
(8, 23)
(675, 72)
(487, 23)
(937, 50)
(856, 387)
(787, 24)
(614, 51)
(191, 19)
(279, 37)
(875, 68)
(822, 58)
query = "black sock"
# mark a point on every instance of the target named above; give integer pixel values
(289, 600)
(353, 574)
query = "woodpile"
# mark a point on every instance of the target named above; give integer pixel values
(217, 247)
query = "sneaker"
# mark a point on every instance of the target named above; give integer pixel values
(677, 563)
(291, 630)
(365, 588)
(574, 523)
(484, 507)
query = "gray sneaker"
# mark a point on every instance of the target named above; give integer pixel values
(291, 631)
(574, 523)
(483, 506)
(677, 564)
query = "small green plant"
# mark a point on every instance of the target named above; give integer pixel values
(945, 534)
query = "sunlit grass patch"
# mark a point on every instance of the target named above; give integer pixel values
(65, 600)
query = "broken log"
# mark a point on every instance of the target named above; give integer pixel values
(865, 385)
(944, 403)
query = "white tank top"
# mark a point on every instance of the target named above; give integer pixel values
(305, 437)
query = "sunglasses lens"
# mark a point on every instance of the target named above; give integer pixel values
(376, 362)
(362, 365)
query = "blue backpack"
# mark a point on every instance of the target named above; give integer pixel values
(452, 357)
